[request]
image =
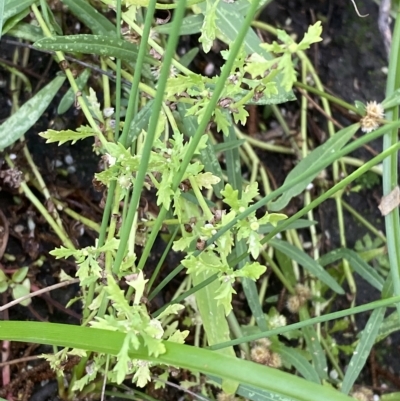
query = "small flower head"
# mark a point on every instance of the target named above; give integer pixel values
(294, 303)
(303, 291)
(363, 394)
(260, 354)
(372, 119)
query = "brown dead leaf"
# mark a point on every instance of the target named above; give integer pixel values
(390, 201)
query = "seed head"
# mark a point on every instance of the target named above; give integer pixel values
(372, 119)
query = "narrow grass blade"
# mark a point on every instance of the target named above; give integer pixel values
(367, 272)
(292, 356)
(183, 356)
(390, 325)
(1, 16)
(232, 144)
(256, 394)
(96, 22)
(139, 122)
(318, 157)
(295, 225)
(307, 262)
(363, 349)
(26, 31)
(92, 44)
(190, 25)
(19, 123)
(314, 347)
(68, 99)
(14, 7)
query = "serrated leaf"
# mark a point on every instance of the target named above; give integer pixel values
(207, 155)
(30, 112)
(208, 30)
(313, 35)
(363, 349)
(317, 157)
(307, 262)
(67, 135)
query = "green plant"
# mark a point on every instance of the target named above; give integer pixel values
(155, 132)
(18, 283)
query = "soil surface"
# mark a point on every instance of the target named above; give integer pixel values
(351, 62)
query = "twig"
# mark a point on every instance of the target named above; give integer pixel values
(358, 13)
(38, 292)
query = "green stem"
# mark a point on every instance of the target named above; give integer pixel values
(390, 165)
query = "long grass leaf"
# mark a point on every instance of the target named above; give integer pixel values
(14, 7)
(69, 97)
(314, 347)
(190, 25)
(367, 272)
(256, 394)
(307, 262)
(1, 17)
(363, 349)
(293, 357)
(96, 22)
(18, 124)
(92, 44)
(183, 356)
(318, 157)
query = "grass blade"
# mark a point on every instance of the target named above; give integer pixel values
(307, 262)
(92, 44)
(190, 25)
(184, 356)
(359, 265)
(68, 99)
(256, 394)
(292, 356)
(314, 347)
(14, 7)
(363, 349)
(96, 22)
(19, 123)
(318, 157)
